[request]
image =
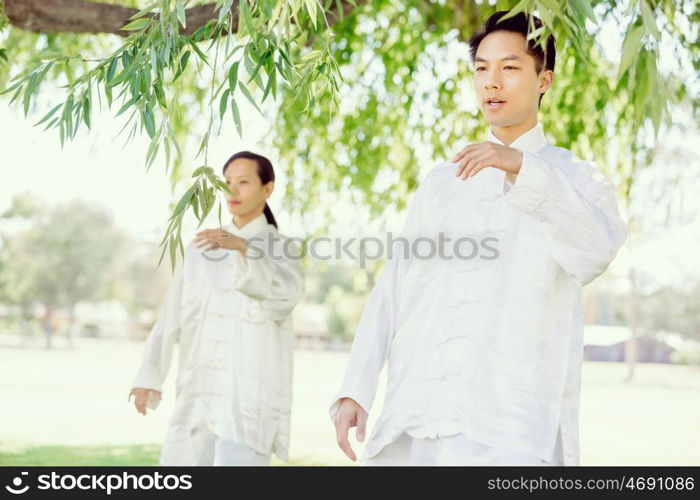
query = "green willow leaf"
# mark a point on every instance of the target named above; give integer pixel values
(236, 117)
(225, 9)
(245, 14)
(630, 48)
(86, 111)
(148, 121)
(203, 144)
(137, 24)
(48, 115)
(183, 64)
(224, 102)
(146, 10)
(160, 95)
(246, 93)
(649, 21)
(181, 13)
(233, 76)
(183, 201)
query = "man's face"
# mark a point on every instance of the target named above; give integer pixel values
(504, 70)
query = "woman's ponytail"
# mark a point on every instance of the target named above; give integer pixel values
(268, 215)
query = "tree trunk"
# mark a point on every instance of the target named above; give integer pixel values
(70, 332)
(81, 16)
(633, 320)
(47, 324)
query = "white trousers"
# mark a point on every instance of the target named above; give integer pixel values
(453, 450)
(212, 450)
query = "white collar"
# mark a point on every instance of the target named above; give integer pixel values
(531, 141)
(251, 228)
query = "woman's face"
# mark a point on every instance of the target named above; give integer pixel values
(249, 194)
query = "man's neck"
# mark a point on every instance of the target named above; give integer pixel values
(510, 133)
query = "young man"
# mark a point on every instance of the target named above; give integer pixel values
(484, 351)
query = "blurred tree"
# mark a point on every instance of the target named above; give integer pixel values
(138, 284)
(65, 255)
(330, 275)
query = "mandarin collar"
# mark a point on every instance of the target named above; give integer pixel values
(531, 141)
(253, 227)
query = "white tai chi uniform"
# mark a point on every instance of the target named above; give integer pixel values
(231, 316)
(216, 451)
(481, 322)
(452, 450)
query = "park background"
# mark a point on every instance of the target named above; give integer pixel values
(81, 219)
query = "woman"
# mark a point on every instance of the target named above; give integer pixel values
(229, 308)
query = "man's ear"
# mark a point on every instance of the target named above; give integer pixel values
(546, 79)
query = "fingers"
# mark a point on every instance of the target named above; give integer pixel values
(204, 233)
(209, 239)
(361, 425)
(464, 151)
(200, 241)
(478, 168)
(469, 153)
(469, 162)
(342, 425)
(459, 155)
(141, 403)
(206, 242)
(209, 245)
(479, 161)
(140, 398)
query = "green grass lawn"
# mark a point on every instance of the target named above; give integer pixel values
(69, 407)
(144, 454)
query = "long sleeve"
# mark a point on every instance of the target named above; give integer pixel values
(276, 279)
(578, 207)
(377, 324)
(160, 343)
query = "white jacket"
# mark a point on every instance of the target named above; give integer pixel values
(231, 316)
(489, 347)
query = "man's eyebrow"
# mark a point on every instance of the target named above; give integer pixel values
(511, 57)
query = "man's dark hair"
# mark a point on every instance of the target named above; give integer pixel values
(518, 24)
